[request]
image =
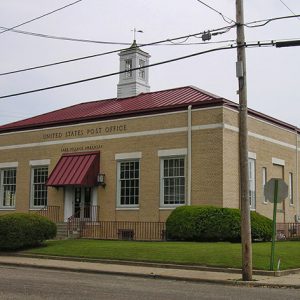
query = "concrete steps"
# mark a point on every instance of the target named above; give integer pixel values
(62, 231)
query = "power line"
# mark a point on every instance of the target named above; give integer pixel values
(214, 31)
(199, 43)
(106, 53)
(222, 15)
(133, 69)
(116, 73)
(42, 35)
(37, 18)
(288, 8)
(266, 21)
(60, 62)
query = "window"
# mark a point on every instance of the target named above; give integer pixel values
(252, 188)
(8, 188)
(141, 71)
(128, 67)
(291, 189)
(264, 181)
(128, 183)
(38, 186)
(172, 181)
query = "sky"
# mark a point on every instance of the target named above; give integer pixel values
(272, 73)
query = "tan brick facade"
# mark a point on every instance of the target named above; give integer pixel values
(214, 172)
(271, 144)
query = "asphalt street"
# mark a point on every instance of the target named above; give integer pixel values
(32, 283)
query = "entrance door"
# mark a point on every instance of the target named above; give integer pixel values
(82, 202)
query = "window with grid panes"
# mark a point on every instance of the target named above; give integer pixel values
(291, 189)
(142, 71)
(128, 67)
(8, 188)
(173, 181)
(39, 189)
(264, 181)
(129, 181)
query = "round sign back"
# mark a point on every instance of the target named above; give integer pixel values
(270, 189)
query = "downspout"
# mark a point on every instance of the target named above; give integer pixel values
(189, 156)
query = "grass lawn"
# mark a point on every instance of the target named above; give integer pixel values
(205, 254)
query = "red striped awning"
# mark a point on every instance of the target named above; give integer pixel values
(79, 169)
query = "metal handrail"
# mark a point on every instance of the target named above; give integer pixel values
(124, 230)
(288, 230)
(77, 220)
(50, 211)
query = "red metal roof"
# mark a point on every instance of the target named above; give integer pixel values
(145, 103)
(110, 108)
(75, 169)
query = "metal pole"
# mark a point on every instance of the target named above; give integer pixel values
(274, 225)
(243, 146)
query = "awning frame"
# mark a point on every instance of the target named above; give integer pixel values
(76, 169)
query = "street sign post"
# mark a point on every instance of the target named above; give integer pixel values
(276, 190)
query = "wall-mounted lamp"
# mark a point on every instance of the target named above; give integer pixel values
(101, 179)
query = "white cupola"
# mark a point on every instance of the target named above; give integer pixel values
(133, 82)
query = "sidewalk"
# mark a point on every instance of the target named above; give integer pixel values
(287, 281)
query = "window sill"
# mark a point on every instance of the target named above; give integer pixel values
(36, 208)
(127, 208)
(8, 208)
(169, 207)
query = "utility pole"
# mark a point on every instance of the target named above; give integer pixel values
(243, 146)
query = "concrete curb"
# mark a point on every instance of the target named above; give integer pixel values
(158, 265)
(140, 273)
(156, 276)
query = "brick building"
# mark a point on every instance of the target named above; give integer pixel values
(138, 156)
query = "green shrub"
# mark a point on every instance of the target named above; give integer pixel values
(20, 230)
(208, 223)
(261, 227)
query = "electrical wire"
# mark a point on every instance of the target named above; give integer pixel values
(222, 15)
(117, 73)
(200, 43)
(61, 62)
(111, 52)
(81, 40)
(288, 8)
(197, 35)
(65, 38)
(133, 69)
(37, 18)
(266, 21)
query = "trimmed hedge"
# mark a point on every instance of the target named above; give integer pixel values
(208, 223)
(20, 230)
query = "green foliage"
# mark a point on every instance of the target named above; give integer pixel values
(208, 223)
(261, 227)
(20, 230)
